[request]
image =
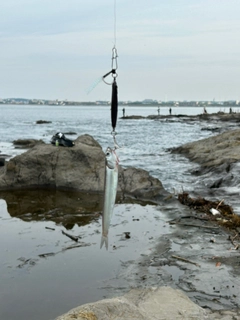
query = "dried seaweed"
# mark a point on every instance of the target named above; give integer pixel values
(204, 205)
(226, 216)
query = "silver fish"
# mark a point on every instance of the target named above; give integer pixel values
(110, 191)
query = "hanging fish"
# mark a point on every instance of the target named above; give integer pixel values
(110, 191)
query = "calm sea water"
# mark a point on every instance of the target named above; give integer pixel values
(36, 287)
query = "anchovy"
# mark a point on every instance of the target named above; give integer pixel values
(110, 191)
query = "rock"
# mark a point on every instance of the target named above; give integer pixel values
(219, 166)
(141, 304)
(26, 143)
(70, 133)
(132, 117)
(140, 184)
(2, 161)
(42, 121)
(216, 184)
(213, 151)
(79, 168)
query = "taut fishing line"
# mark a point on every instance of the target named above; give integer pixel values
(113, 73)
(113, 83)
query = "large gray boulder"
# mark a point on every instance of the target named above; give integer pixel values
(79, 168)
(213, 151)
(162, 303)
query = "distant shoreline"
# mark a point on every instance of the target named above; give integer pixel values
(172, 104)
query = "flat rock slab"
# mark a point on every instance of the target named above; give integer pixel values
(141, 304)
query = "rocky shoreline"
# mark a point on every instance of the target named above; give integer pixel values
(219, 116)
(222, 149)
(198, 257)
(194, 269)
(218, 159)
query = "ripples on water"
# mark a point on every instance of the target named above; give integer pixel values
(145, 141)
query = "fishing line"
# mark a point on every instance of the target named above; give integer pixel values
(93, 85)
(113, 73)
(115, 23)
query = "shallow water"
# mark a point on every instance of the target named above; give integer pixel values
(43, 273)
(56, 273)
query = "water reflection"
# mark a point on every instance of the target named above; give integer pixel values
(62, 207)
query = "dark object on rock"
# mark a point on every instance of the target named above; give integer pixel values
(2, 162)
(59, 139)
(42, 121)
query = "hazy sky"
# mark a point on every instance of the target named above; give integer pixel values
(168, 49)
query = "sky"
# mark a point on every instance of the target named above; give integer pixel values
(167, 49)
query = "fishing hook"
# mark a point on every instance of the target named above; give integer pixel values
(116, 145)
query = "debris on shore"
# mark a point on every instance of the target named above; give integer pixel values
(225, 217)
